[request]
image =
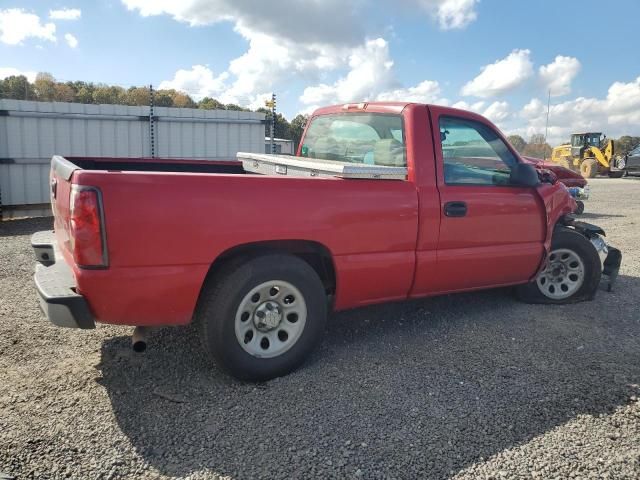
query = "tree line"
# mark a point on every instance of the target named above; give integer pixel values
(537, 147)
(45, 88)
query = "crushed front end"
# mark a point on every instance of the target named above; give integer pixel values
(610, 257)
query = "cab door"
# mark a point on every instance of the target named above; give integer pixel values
(491, 231)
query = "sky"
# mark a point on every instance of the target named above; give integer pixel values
(499, 58)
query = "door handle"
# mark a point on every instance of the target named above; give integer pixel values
(455, 209)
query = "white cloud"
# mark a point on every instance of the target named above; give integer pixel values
(558, 75)
(198, 82)
(450, 14)
(501, 76)
(270, 60)
(370, 72)
(617, 114)
(311, 22)
(292, 38)
(473, 107)
(283, 42)
(624, 98)
(9, 72)
(16, 25)
(71, 40)
(65, 14)
(498, 112)
(427, 91)
(370, 77)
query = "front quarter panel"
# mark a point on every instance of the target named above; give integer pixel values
(557, 202)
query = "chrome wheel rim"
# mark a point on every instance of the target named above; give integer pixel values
(270, 319)
(562, 276)
(621, 163)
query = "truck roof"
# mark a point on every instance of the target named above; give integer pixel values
(377, 107)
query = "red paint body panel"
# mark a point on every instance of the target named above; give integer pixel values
(388, 239)
(501, 222)
(174, 222)
(566, 176)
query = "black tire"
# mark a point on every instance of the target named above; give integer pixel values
(589, 168)
(222, 296)
(566, 238)
(579, 207)
(617, 173)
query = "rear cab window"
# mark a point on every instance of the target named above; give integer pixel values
(361, 138)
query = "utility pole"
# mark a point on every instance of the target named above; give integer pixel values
(546, 127)
(152, 143)
(272, 105)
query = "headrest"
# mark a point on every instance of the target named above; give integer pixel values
(389, 152)
(325, 144)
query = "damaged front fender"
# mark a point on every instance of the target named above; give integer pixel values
(610, 257)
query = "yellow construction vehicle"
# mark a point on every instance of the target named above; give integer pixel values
(589, 153)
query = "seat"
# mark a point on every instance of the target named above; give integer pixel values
(389, 152)
(325, 148)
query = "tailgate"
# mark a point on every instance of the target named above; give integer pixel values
(60, 191)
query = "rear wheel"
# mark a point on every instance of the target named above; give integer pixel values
(563, 162)
(620, 163)
(589, 168)
(571, 272)
(261, 319)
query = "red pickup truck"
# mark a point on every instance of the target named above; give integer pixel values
(257, 261)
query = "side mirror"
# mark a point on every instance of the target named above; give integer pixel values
(525, 175)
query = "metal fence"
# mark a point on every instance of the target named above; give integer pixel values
(32, 132)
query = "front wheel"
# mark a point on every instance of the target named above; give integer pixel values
(620, 163)
(571, 272)
(260, 319)
(589, 168)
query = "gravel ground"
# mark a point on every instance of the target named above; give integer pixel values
(466, 386)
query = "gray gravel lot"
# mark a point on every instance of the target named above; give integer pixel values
(465, 386)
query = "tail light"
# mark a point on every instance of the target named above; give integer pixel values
(86, 225)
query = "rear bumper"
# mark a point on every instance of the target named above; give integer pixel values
(56, 286)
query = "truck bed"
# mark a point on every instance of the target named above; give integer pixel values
(167, 220)
(251, 163)
(177, 165)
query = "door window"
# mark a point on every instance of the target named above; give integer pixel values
(474, 154)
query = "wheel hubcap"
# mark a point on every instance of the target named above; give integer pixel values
(267, 316)
(562, 276)
(270, 319)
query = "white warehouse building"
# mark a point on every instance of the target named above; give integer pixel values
(283, 146)
(32, 132)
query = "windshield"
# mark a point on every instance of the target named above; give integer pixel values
(367, 138)
(580, 140)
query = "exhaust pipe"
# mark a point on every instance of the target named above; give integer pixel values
(139, 339)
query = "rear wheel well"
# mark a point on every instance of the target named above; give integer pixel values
(313, 253)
